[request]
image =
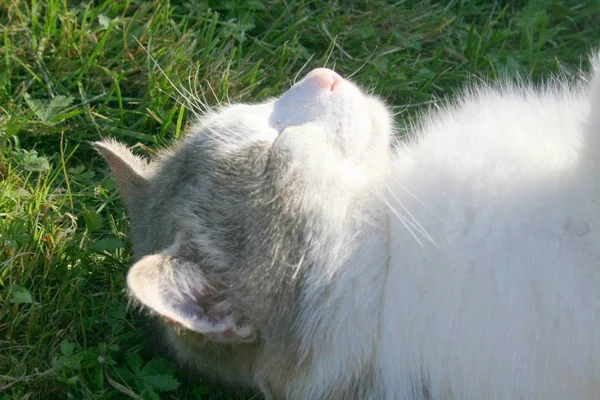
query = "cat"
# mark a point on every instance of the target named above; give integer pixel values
(296, 247)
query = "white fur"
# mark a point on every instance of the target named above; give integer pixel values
(493, 289)
(505, 305)
(467, 262)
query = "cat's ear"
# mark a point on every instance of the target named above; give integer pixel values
(130, 171)
(179, 292)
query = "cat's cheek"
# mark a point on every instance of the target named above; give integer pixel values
(381, 118)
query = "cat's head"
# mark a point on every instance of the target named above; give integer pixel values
(232, 228)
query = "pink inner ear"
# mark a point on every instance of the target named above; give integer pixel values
(180, 294)
(115, 164)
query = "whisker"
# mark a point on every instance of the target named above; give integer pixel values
(297, 266)
(214, 94)
(330, 51)
(423, 103)
(414, 220)
(204, 98)
(363, 65)
(221, 137)
(401, 218)
(335, 43)
(404, 110)
(193, 90)
(181, 103)
(302, 69)
(177, 89)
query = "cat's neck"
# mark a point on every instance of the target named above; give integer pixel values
(345, 302)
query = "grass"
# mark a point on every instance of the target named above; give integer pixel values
(72, 72)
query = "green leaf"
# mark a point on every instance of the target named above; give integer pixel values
(109, 244)
(19, 295)
(72, 380)
(148, 392)
(98, 378)
(67, 348)
(93, 220)
(200, 390)
(31, 161)
(158, 374)
(70, 362)
(77, 170)
(163, 383)
(60, 102)
(134, 361)
(156, 366)
(19, 192)
(47, 110)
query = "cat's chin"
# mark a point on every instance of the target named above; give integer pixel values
(327, 117)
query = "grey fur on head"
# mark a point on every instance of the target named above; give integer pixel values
(228, 229)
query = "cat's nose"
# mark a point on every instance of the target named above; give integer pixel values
(325, 78)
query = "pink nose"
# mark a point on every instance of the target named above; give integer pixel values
(325, 78)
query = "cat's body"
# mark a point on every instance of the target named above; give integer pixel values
(508, 302)
(287, 247)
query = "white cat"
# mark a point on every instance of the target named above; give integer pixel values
(287, 246)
